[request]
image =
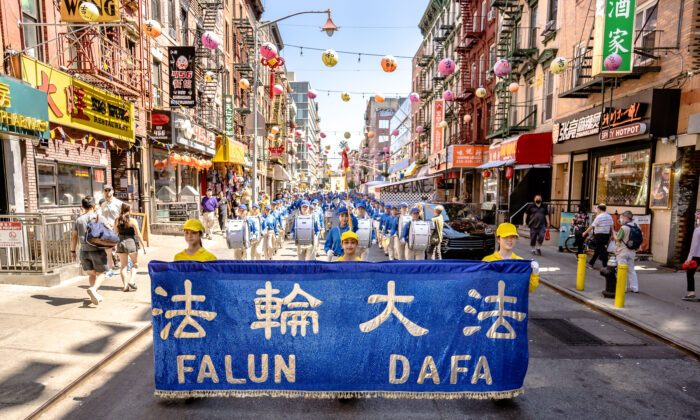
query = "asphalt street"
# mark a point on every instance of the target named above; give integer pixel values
(583, 364)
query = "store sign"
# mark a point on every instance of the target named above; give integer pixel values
(276, 152)
(109, 10)
(11, 235)
(438, 132)
(503, 151)
(437, 162)
(574, 128)
(192, 135)
(161, 126)
(23, 110)
(622, 132)
(74, 103)
(465, 156)
(622, 116)
(614, 34)
(181, 71)
(228, 115)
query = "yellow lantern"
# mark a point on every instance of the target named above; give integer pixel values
(346, 135)
(345, 96)
(275, 130)
(480, 92)
(558, 65)
(88, 11)
(443, 124)
(243, 84)
(152, 28)
(209, 76)
(330, 58)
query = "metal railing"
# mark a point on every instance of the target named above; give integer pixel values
(555, 208)
(45, 243)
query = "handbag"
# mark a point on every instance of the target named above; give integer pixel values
(434, 238)
(100, 236)
(546, 236)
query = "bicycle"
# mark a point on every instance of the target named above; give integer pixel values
(570, 244)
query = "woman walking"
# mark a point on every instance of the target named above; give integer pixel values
(693, 256)
(128, 247)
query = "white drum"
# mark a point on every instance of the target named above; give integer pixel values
(237, 234)
(403, 219)
(364, 233)
(304, 230)
(419, 235)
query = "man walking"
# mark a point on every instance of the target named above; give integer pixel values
(92, 259)
(602, 227)
(223, 211)
(209, 206)
(623, 249)
(537, 219)
(109, 211)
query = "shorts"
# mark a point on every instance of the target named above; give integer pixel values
(127, 246)
(94, 260)
(537, 235)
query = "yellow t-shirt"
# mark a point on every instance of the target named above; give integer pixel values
(534, 278)
(343, 259)
(201, 255)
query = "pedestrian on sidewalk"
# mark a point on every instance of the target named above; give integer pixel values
(536, 217)
(693, 255)
(209, 206)
(624, 253)
(602, 229)
(438, 223)
(128, 247)
(506, 237)
(193, 231)
(92, 259)
(579, 224)
(109, 211)
(223, 211)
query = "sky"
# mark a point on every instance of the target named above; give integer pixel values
(386, 27)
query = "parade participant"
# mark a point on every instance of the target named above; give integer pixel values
(349, 242)
(128, 247)
(362, 215)
(241, 252)
(209, 205)
(270, 230)
(256, 243)
(92, 259)
(306, 250)
(193, 231)
(333, 245)
(318, 218)
(391, 225)
(108, 212)
(400, 247)
(223, 210)
(410, 253)
(507, 236)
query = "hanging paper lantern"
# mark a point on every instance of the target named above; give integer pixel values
(88, 11)
(513, 87)
(446, 66)
(486, 173)
(419, 129)
(379, 98)
(325, 151)
(501, 68)
(448, 95)
(152, 28)
(346, 135)
(275, 130)
(395, 132)
(309, 145)
(298, 133)
(243, 84)
(330, 58)
(289, 141)
(270, 136)
(612, 62)
(322, 135)
(371, 156)
(385, 149)
(443, 124)
(509, 172)
(414, 97)
(345, 96)
(268, 50)
(480, 92)
(467, 118)
(389, 63)
(311, 94)
(277, 89)
(328, 147)
(209, 76)
(210, 40)
(558, 65)
(371, 134)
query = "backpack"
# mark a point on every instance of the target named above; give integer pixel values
(635, 238)
(100, 236)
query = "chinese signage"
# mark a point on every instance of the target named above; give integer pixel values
(181, 71)
(465, 156)
(503, 151)
(621, 116)
(614, 34)
(576, 127)
(11, 235)
(437, 161)
(228, 115)
(437, 131)
(622, 132)
(109, 10)
(23, 110)
(192, 135)
(323, 330)
(74, 103)
(161, 126)
(276, 152)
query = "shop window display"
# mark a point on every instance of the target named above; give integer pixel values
(622, 179)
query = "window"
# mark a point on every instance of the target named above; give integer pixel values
(383, 139)
(475, 24)
(492, 56)
(384, 124)
(46, 176)
(645, 35)
(226, 37)
(579, 53)
(621, 179)
(66, 184)
(473, 75)
(98, 183)
(481, 70)
(533, 27)
(155, 10)
(484, 9)
(32, 34)
(530, 102)
(172, 18)
(548, 96)
(157, 85)
(183, 27)
(552, 16)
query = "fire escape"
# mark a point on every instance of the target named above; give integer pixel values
(243, 64)
(210, 66)
(470, 37)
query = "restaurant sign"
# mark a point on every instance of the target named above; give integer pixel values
(622, 132)
(192, 135)
(503, 151)
(276, 152)
(438, 131)
(614, 34)
(228, 114)
(161, 126)
(23, 109)
(574, 128)
(71, 10)
(465, 156)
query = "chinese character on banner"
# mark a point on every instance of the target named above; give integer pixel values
(500, 314)
(188, 313)
(391, 298)
(268, 311)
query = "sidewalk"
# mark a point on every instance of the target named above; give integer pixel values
(657, 308)
(50, 336)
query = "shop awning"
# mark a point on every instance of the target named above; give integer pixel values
(280, 174)
(230, 151)
(403, 181)
(525, 149)
(496, 164)
(423, 172)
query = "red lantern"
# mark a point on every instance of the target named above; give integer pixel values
(486, 173)
(509, 172)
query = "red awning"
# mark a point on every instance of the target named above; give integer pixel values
(526, 149)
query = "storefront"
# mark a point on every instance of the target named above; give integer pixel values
(622, 156)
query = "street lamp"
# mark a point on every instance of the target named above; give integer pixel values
(329, 28)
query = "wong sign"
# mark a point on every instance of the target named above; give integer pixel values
(312, 329)
(614, 34)
(437, 131)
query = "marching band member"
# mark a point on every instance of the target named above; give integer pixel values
(349, 242)
(386, 210)
(242, 253)
(391, 225)
(507, 236)
(256, 246)
(270, 230)
(333, 245)
(410, 253)
(362, 215)
(399, 252)
(306, 252)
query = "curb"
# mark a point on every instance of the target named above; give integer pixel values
(690, 348)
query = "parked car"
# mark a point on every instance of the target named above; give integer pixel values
(465, 235)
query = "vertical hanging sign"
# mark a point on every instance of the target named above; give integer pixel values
(437, 131)
(614, 34)
(181, 71)
(228, 115)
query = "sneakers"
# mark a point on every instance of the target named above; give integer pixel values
(539, 252)
(533, 252)
(110, 273)
(690, 298)
(95, 297)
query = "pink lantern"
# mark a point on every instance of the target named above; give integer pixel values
(448, 95)
(388, 158)
(371, 156)
(446, 66)
(502, 68)
(268, 50)
(311, 94)
(309, 145)
(366, 149)
(298, 133)
(395, 132)
(323, 135)
(385, 149)
(289, 141)
(277, 89)
(612, 62)
(325, 151)
(419, 129)
(352, 165)
(210, 40)
(414, 97)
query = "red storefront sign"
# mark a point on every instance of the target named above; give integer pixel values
(465, 156)
(276, 152)
(526, 149)
(438, 132)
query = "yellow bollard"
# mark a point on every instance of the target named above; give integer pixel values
(581, 273)
(621, 286)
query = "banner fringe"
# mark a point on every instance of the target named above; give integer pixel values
(496, 395)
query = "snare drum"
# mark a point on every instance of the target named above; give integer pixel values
(364, 233)
(419, 235)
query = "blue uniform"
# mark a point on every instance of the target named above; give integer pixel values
(253, 222)
(333, 240)
(391, 226)
(317, 227)
(269, 223)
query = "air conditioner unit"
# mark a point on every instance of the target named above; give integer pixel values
(492, 15)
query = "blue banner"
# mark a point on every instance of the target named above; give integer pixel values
(401, 329)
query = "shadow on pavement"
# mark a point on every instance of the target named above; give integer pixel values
(60, 301)
(97, 346)
(23, 386)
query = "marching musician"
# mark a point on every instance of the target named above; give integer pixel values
(242, 253)
(412, 254)
(306, 252)
(362, 215)
(391, 225)
(400, 247)
(333, 246)
(270, 228)
(256, 245)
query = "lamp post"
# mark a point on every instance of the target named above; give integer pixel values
(329, 28)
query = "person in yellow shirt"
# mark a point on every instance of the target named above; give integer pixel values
(349, 242)
(194, 230)
(507, 236)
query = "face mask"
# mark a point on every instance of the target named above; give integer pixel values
(538, 201)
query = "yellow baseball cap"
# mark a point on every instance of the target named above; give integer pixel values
(193, 225)
(506, 229)
(349, 235)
